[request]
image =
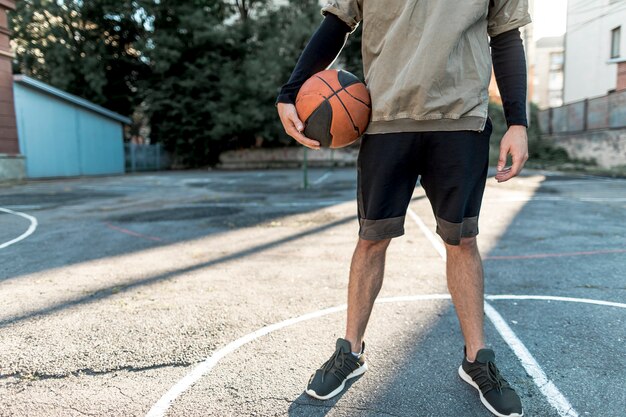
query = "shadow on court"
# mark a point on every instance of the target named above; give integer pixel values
(576, 345)
(87, 219)
(413, 354)
(133, 284)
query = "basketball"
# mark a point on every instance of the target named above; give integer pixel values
(335, 107)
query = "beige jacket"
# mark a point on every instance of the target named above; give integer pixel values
(427, 63)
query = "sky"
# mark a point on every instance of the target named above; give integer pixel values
(549, 18)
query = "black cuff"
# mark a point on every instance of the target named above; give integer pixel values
(509, 66)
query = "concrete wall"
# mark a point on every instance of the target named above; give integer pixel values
(589, 129)
(12, 167)
(291, 157)
(588, 70)
(607, 147)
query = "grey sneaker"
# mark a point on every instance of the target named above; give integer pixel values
(495, 392)
(330, 379)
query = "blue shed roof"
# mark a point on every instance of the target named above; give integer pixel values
(81, 102)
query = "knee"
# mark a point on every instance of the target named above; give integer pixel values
(373, 245)
(467, 244)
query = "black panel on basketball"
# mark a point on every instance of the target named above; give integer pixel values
(317, 126)
(345, 78)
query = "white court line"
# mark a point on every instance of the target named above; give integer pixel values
(554, 298)
(512, 199)
(31, 229)
(547, 387)
(161, 407)
(429, 235)
(199, 371)
(322, 178)
(271, 204)
(532, 367)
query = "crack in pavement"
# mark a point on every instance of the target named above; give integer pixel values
(68, 406)
(91, 372)
(122, 392)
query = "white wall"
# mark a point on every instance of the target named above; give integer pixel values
(587, 47)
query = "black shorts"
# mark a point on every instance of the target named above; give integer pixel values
(452, 167)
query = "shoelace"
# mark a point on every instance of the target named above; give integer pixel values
(491, 379)
(338, 360)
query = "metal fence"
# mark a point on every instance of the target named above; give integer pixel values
(146, 157)
(606, 112)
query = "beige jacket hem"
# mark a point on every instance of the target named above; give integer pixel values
(475, 123)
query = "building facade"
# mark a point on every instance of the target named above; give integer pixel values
(595, 49)
(11, 162)
(548, 72)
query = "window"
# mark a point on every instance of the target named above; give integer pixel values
(555, 80)
(556, 60)
(616, 34)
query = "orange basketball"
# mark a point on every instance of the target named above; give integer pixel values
(335, 107)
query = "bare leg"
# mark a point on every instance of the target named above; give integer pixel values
(464, 271)
(366, 279)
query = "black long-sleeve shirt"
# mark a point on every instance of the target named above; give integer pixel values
(507, 54)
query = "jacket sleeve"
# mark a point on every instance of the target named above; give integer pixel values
(509, 66)
(349, 11)
(506, 15)
(320, 52)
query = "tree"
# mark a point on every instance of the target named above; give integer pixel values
(215, 72)
(87, 48)
(204, 72)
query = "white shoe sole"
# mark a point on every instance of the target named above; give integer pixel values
(358, 371)
(465, 377)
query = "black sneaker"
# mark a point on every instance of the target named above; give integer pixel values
(330, 379)
(495, 393)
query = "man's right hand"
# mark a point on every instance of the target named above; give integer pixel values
(293, 126)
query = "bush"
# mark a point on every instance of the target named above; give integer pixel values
(539, 151)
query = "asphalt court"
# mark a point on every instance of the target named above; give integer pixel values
(218, 293)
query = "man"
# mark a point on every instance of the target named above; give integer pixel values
(427, 65)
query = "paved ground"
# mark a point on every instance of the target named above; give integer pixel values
(128, 283)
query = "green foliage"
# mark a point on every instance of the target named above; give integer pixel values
(216, 70)
(87, 48)
(205, 73)
(539, 151)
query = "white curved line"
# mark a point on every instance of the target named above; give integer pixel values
(159, 409)
(205, 366)
(30, 231)
(555, 298)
